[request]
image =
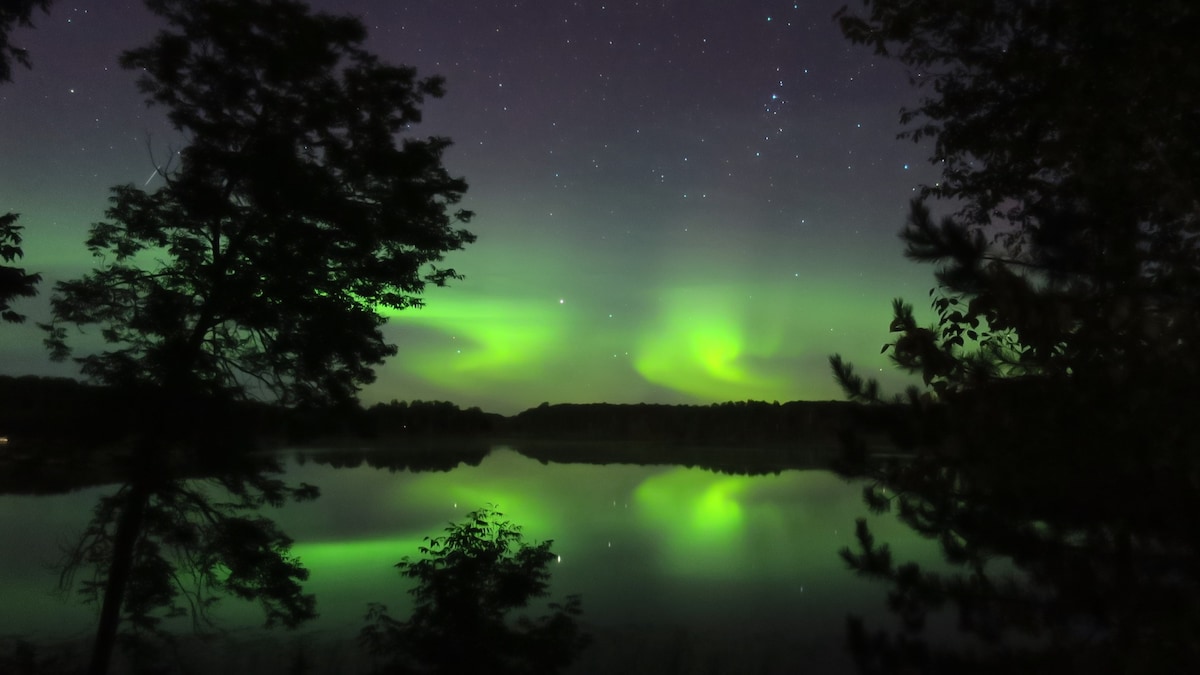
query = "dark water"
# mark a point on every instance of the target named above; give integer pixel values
(680, 569)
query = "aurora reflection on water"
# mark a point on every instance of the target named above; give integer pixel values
(650, 548)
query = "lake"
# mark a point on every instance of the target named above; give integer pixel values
(681, 570)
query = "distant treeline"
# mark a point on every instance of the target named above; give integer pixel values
(43, 407)
(740, 423)
(54, 407)
(414, 457)
(742, 437)
(424, 418)
(61, 412)
(64, 434)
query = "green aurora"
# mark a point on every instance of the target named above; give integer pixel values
(693, 215)
(752, 332)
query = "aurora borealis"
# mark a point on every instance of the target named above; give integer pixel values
(680, 202)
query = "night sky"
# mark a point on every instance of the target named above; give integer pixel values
(679, 202)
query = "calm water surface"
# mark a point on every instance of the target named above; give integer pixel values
(680, 569)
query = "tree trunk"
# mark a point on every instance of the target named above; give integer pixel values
(129, 527)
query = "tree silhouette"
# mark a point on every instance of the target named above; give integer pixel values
(14, 13)
(1050, 452)
(293, 216)
(468, 581)
(15, 282)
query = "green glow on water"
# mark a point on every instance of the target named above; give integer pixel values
(700, 517)
(339, 559)
(661, 545)
(455, 493)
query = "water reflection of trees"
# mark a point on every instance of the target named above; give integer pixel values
(200, 540)
(394, 457)
(172, 540)
(732, 460)
(1072, 552)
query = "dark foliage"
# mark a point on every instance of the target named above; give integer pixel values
(433, 455)
(733, 423)
(745, 437)
(426, 418)
(19, 656)
(15, 282)
(292, 219)
(468, 582)
(54, 421)
(1051, 452)
(14, 13)
(79, 418)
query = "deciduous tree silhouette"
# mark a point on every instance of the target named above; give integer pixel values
(468, 581)
(292, 219)
(293, 216)
(14, 13)
(1051, 452)
(15, 282)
